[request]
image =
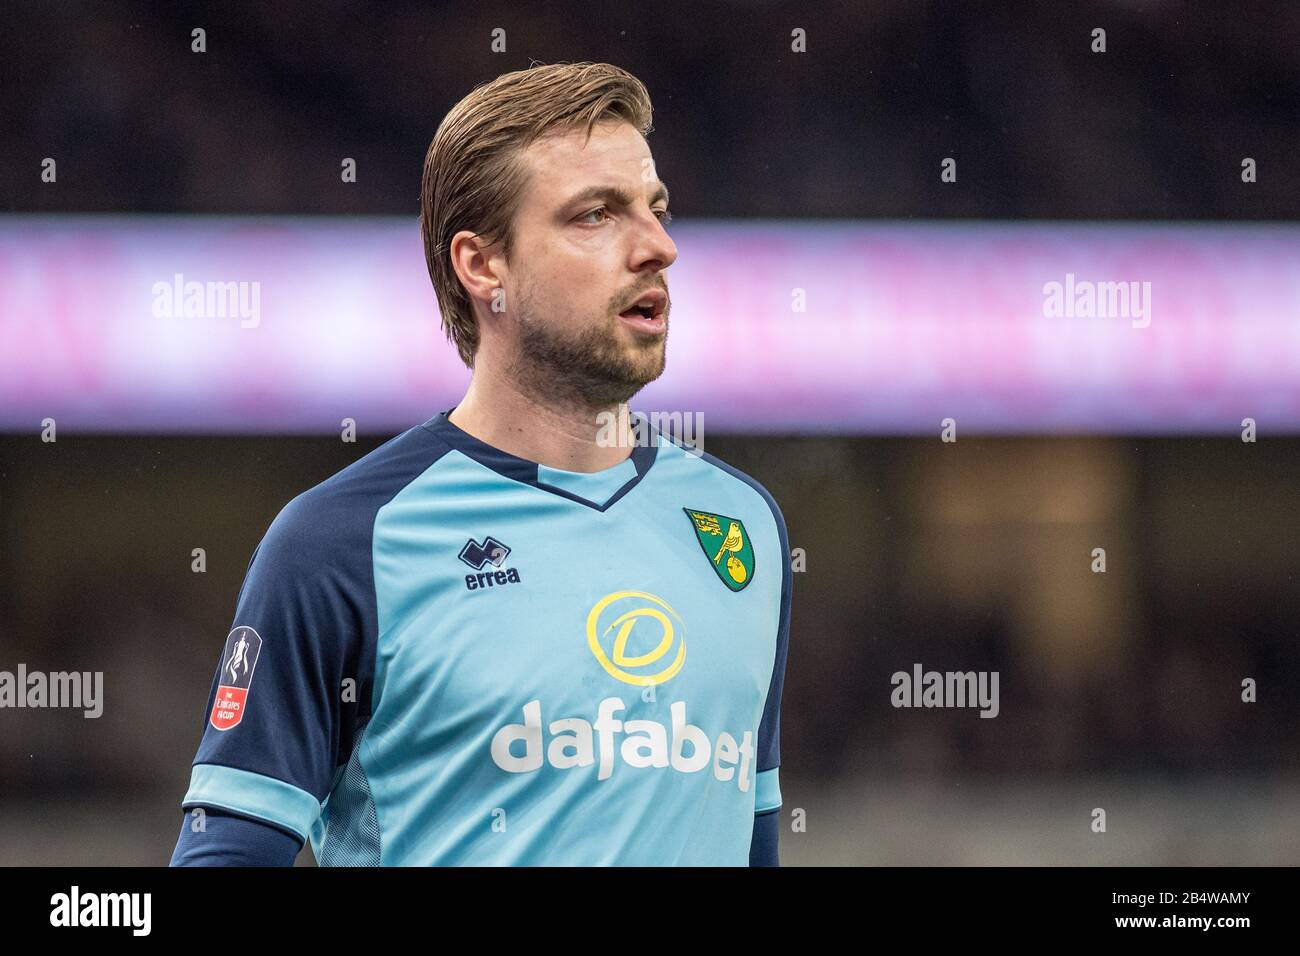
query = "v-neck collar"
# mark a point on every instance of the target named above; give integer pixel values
(565, 484)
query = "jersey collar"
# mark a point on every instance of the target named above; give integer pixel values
(598, 490)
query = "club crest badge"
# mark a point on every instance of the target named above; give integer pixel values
(727, 546)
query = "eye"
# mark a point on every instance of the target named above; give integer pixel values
(665, 217)
(598, 209)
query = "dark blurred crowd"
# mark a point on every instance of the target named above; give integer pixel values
(857, 125)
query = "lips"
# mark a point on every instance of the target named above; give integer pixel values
(648, 315)
(650, 306)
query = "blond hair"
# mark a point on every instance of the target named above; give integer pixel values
(473, 179)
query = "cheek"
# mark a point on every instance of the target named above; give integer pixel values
(581, 280)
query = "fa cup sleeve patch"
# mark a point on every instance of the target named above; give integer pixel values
(237, 664)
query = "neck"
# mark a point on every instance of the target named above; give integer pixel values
(541, 428)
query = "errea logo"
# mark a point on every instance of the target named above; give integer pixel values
(479, 556)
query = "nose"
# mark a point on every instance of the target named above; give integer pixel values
(654, 248)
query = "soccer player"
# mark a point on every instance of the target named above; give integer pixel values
(503, 638)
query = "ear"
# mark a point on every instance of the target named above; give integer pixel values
(477, 263)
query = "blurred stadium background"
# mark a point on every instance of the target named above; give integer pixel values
(816, 171)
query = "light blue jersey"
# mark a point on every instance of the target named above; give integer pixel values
(448, 655)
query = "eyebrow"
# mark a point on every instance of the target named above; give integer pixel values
(616, 194)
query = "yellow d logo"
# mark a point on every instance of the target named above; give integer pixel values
(646, 606)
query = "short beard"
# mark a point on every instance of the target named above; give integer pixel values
(589, 370)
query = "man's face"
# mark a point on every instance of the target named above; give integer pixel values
(588, 245)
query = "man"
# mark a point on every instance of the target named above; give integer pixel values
(498, 638)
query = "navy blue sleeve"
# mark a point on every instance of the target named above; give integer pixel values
(769, 729)
(767, 799)
(763, 847)
(230, 840)
(293, 685)
(294, 675)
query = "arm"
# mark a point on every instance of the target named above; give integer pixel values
(763, 849)
(277, 726)
(231, 840)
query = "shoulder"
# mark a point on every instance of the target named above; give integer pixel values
(704, 470)
(331, 522)
(750, 482)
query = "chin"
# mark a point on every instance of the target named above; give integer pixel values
(649, 361)
(636, 373)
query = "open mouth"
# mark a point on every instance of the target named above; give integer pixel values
(644, 319)
(648, 315)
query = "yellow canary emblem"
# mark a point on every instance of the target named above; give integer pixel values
(733, 545)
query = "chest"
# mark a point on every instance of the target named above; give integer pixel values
(482, 612)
